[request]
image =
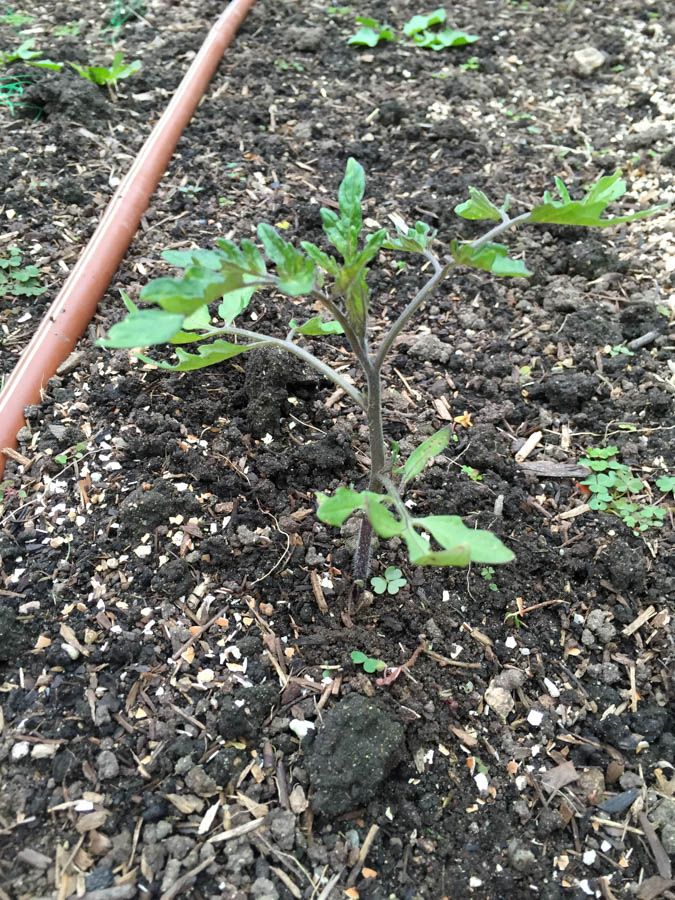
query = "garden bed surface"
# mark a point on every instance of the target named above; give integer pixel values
(173, 615)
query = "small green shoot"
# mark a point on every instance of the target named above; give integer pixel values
(613, 487)
(283, 66)
(77, 452)
(369, 665)
(419, 28)
(16, 19)
(370, 33)
(471, 473)
(471, 64)
(618, 349)
(392, 581)
(70, 29)
(17, 280)
(108, 75)
(487, 573)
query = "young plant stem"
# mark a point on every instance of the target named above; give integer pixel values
(302, 354)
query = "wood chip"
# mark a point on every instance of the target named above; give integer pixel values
(638, 622)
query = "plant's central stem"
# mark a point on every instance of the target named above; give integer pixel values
(378, 467)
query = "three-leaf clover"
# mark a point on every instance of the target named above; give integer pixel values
(392, 582)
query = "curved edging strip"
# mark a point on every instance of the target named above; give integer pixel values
(75, 304)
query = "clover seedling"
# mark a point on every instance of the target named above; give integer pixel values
(612, 484)
(471, 473)
(18, 280)
(371, 33)
(180, 314)
(369, 665)
(392, 581)
(487, 573)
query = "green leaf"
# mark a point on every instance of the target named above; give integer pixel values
(370, 665)
(207, 355)
(234, 302)
(415, 240)
(666, 483)
(198, 287)
(351, 281)
(358, 657)
(209, 259)
(460, 544)
(429, 448)
(128, 302)
(588, 211)
(316, 326)
(490, 257)
(479, 206)
(439, 40)
(143, 328)
(371, 33)
(296, 273)
(420, 23)
(321, 259)
(350, 194)
(384, 523)
(334, 510)
(200, 319)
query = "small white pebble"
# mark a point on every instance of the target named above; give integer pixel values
(535, 717)
(589, 857)
(20, 750)
(301, 728)
(511, 642)
(551, 688)
(482, 783)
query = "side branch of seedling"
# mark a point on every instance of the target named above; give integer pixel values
(179, 313)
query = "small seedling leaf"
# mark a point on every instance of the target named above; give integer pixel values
(415, 240)
(207, 355)
(296, 272)
(422, 454)
(334, 510)
(420, 23)
(358, 657)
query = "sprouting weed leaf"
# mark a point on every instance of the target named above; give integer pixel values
(429, 448)
(490, 257)
(370, 665)
(379, 585)
(296, 272)
(358, 657)
(479, 206)
(415, 240)
(61, 459)
(421, 23)
(143, 328)
(128, 302)
(371, 33)
(440, 40)
(589, 210)
(316, 326)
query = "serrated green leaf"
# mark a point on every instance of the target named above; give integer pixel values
(588, 211)
(198, 287)
(478, 206)
(350, 194)
(296, 273)
(234, 303)
(426, 451)
(415, 240)
(490, 258)
(334, 510)
(316, 326)
(143, 328)
(420, 23)
(321, 259)
(207, 355)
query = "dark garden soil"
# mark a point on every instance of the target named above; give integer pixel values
(181, 716)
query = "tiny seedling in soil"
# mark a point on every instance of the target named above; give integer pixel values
(369, 665)
(371, 33)
(16, 19)
(487, 573)
(613, 488)
(420, 29)
(472, 63)
(471, 473)
(392, 581)
(618, 349)
(18, 280)
(108, 75)
(232, 274)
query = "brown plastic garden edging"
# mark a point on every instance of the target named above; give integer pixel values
(75, 304)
